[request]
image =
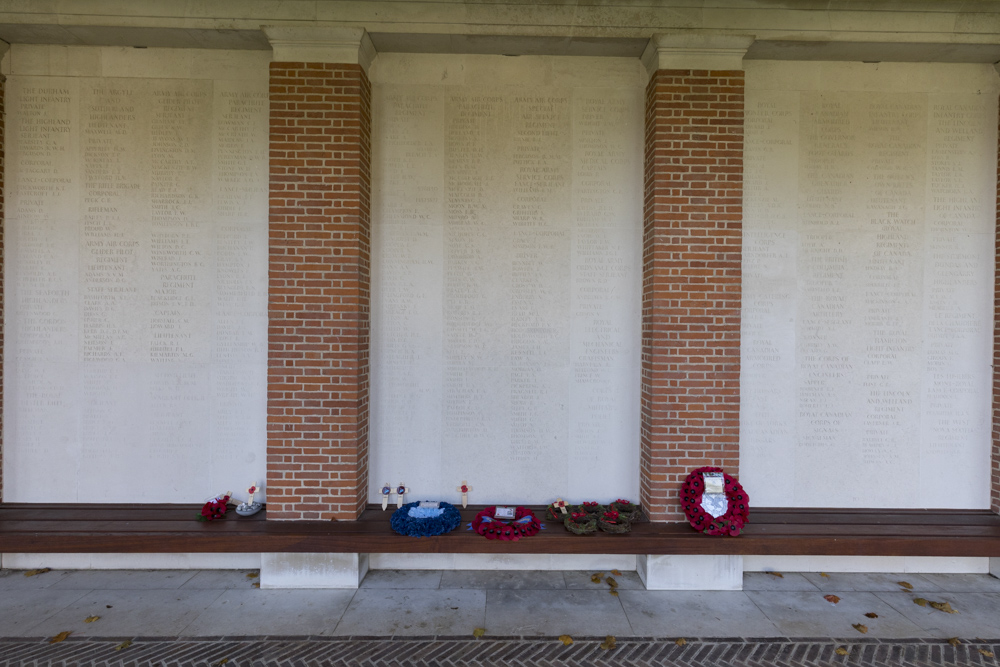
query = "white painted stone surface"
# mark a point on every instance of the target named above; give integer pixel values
(427, 561)
(312, 570)
(136, 274)
(918, 564)
(690, 573)
(868, 284)
(182, 561)
(506, 276)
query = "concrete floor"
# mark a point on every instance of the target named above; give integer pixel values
(390, 603)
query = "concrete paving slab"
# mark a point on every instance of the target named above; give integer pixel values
(384, 612)
(11, 580)
(23, 609)
(554, 612)
(978, 614)
(868, 581)
(695, 614)
(504, 579)
(223, 579)
(402, 579)
(765, 581)
(271, 612)
(964, 583)
(108, 580)
(627, 580)
(128, 613)
(806, 614)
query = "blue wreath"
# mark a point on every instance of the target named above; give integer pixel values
(404, 524)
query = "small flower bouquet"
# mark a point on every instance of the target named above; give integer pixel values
(215, 508)
(613, 522)
(581, 523)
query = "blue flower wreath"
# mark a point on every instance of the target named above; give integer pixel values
(423, 523)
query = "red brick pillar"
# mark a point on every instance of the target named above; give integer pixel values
(318, 294)
(692, 260)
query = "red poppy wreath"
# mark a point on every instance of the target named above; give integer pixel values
(737, 511)
(525, 524)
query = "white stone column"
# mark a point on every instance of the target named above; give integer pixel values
(691, 573)
(312, 570)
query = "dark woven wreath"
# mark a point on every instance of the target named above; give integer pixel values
(629, 510)
(404, 524)
(524, 524)
(580, 523)
(737, 513)
(613, 522)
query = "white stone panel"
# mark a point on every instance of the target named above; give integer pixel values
(136, 321)
(930, 564)
(422, 561)
(690, 573)
(312, 570)
(181, 561)
(869, 215)
(506, 243)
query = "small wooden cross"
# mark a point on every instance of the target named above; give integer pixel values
(401, 491)
(386, 492)
(251, 491)
(560, 504)
(464, 488)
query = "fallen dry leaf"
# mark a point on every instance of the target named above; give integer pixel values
(608, 643)
(611, 582)
(920, 601)
(616, 573)
(478, 632)
(777, 574)
(871, 614)
(831, 598)
(91, 619)
(253, 575)
(905, 584)
(566, 640)
(31, 573)
(613, 592)
(863, 629)
(124, 645)
(222, 662)
(596, 578)
(840, 651)
(824, 575)
(60, 637)
(256, 584)
(943, 606)
(954, 641)
(681, 642)
(986, 654)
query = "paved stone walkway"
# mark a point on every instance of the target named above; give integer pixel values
(489, 651)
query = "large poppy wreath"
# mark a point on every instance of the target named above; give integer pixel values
(416, 521)
(525, 524)
(737, 512)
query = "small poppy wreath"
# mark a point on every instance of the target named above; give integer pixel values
(214, 508)
(525, 524)
(738, 511)
(580, 523)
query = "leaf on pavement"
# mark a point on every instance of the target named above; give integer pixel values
(985, 653)
(91, 619)
(616, 573)
(840, 651)
(920, 601)
(954, 641)
(905, 584)
(871, 614)
(681, 642)
(863, 629)
(253, 575)
(60, 637)
(596, 577)
(566, 640)
(478, 632)
(31, 573)
(824, 575)
(831, 598)
(944, 606)
(776, 574)
(124, 645)
(611, 582)
(608, 643)
(613, 592)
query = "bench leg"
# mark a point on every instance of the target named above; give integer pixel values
(691, 573)
(312, 570)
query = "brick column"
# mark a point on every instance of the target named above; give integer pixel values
(692, 259)
(318, 295)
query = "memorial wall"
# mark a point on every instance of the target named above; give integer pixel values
(136, 274)
(870, 199)
(507, 222)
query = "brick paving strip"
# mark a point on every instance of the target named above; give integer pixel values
(490, 651)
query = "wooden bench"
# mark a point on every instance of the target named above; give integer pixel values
(59, 528)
